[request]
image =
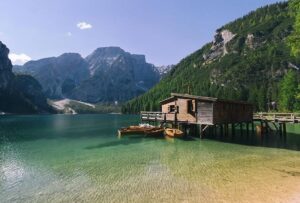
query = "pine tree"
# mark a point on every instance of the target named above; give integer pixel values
(294, 39)
(288, 90)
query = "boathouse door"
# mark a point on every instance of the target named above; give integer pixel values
(204, 112)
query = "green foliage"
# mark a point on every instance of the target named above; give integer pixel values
(249, 73)
(288, 90)
(297, 100)
(294, 39)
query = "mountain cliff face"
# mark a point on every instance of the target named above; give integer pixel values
(57, 75)
(116, 75)
(108, 74)
(19, 94)
(246, 61)
(6, 75)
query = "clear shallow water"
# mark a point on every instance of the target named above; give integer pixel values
(61, 158)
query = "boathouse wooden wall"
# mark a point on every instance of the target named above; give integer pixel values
(207, 111)
(230, 112)
(183, 115)
(165, 109)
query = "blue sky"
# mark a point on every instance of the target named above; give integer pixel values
(164, 30)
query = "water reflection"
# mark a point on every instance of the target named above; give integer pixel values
(272, 139)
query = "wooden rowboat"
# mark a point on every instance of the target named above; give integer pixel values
(172, 132)
(134, 130)
(156, 132)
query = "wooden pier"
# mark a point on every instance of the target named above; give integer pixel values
(266, 122)
(200, 113)
(277, 117)
(208, 114)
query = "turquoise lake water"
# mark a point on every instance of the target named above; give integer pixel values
(62, 158)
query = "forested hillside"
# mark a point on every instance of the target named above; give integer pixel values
(246, 61)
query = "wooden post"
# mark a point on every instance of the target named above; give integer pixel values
(210, 131)
(266, 127)
(284, 129)
(247, 129)
(215, 130)
(253, 130)
(241, 128)
(280, 129)
(226, 130)
(262, 128)
(233, 129)
(221, 130)
(200, 131)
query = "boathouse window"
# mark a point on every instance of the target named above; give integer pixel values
(190, 106)
(171, 108)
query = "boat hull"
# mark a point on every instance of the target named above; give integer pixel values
(170, 132)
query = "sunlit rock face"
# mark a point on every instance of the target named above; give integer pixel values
(218, 48)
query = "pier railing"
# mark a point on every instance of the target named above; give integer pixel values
(278, 117)
(152, 116)
(269, 117)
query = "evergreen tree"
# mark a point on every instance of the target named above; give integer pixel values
(288, 90)
(297, 100)
(294, 39)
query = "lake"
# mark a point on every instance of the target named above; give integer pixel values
(63, 158)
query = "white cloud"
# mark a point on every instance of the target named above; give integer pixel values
(69, 34)
(19, 59)
(84, 25)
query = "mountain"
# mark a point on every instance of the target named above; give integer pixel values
(116, 75)
(164, 70)
(57, 75)
(109, 74)
(246, 61)
(19, 93)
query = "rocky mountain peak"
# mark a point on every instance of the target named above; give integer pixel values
(70, 56)
(105, 52)
(108, 74)
(139, 58)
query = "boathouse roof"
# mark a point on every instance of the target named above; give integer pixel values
(174, 96)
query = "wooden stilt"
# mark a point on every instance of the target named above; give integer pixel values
(284, 129)
(267, 128)
(280, 129)
(226, 130)
(233, 129)
(201, 131)
(215, 130)
(221, 130)
(241, 128)
(253, 130)
(247, 129)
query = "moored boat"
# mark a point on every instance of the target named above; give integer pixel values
(141, 129)
(172, 132)
(156, 132)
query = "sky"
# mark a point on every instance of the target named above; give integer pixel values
(164, 30)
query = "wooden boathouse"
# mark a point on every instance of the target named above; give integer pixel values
(205, 112)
